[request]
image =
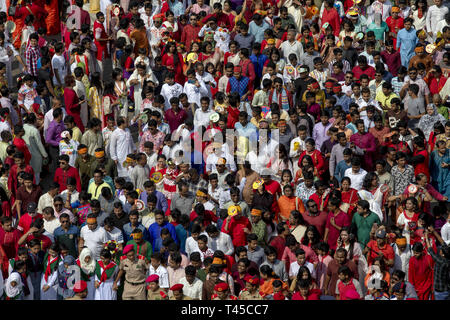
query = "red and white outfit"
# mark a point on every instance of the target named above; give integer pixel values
(102, 46)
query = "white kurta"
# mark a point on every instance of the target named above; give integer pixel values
(105, 290)
(138, 88)
(33, 140)
(121, 144)
(80, 89)
(52, 281)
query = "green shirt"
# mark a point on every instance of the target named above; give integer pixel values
(145, 249)
(364, 225)
(201, 274)
(85, 169)
(261, 232)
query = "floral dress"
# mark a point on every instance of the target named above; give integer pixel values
(26, 96)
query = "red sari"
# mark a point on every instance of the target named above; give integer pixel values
(175, 67)
(350, 197)
(73, 107)
(52, 20)
(420, 275)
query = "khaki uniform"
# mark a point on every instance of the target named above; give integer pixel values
(246, 295)
(156, 295)
(184, 298)
(135, 274)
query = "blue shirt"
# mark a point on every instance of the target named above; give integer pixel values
(161, 201)
(155, 234)
(344, 101)
(406, 41)
(247, 131)
(258, 62)
(176, 7)
(128, 229)
(258, 31)
(339, 172)
(182, 235)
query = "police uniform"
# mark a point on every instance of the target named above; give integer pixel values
(135, 274)
(156, 295)
(246, 295)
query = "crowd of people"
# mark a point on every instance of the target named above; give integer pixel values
(225, 150)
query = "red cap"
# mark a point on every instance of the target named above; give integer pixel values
(152, 278)
(128, 248)
(177, 287)
(252, 280)
(79, 286)
(220, 287)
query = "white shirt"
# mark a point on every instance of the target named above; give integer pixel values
(445, 233)
(291, 47)
(201, 118)
(162, 273)
(435, 15)
(170, 91)
(192, 245)
(50, 226)
(94, 239)
(193, 93)
(115, 234)
(223, 243)
(294, 268)
(193, 290)
(59, 64)
(355, 179)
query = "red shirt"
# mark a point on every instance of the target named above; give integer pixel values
(387, 250)
(208, 217)
(370, 71)
(189, 35)
(9, 242)
(341, 220)
(279, 244)
(332, 17)
(318, 221)
(26, 220)
(313, 294)
(236, 230)
(423, 166)
(175, 119)
(437, 84)
(45, 241)
(392, 60)
(61, 177)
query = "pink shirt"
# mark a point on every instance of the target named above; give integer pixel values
(289, 256)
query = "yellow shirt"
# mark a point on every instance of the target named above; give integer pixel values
(76, 134)
(385, 100)
(97, 191)
(320, 97)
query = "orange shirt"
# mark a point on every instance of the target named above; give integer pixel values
(286, 205)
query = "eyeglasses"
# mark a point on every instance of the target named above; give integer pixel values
(64, 221)
(57, 204)
(348, 77)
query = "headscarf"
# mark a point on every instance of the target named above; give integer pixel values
(67, 260)
(426, 123)
(87, 267)
(64, 275)
(11, 291)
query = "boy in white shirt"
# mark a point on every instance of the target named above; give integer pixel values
(170, 89)
(156, 268)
